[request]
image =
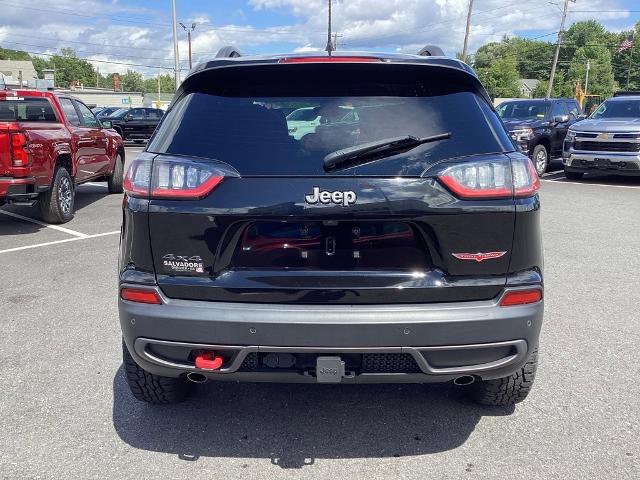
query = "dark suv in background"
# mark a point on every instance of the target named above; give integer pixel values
(135, 124)
(539, 126)
(405, 248)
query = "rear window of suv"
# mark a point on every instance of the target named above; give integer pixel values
(246, 126)
(26, 109)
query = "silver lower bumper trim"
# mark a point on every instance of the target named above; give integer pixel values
(241, 352)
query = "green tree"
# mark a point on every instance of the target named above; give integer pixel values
(69, 68)
(561, 88)
(601, 81)
(500, 78)
(626, 64)
(489, 53)
(6, 54)
(132, 81)
(533, 57)
(167, 84)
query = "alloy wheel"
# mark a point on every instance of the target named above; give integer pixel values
(65, 195)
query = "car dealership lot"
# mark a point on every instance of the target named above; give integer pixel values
(67, 413)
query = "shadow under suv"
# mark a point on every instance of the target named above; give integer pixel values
(402, 247)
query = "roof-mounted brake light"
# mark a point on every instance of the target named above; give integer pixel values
(332, 59)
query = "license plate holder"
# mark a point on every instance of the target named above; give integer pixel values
(329, 369)
(602, 162)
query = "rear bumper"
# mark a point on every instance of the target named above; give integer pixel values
(445, 340)
(17, 188)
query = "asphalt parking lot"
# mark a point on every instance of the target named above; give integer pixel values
(66, 411)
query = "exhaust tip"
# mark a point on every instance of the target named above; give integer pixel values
(196, 377)
(464, 380)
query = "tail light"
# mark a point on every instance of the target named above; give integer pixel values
(19, 156)
(171, 178)
(140, 295)
(492, 179)
(521, 297)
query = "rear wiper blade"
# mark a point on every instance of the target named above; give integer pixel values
(376, 150)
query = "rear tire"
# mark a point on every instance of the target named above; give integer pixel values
(150, 388)
(114, 180)
(573, 175)
(507, 390)
(57, 204)
(540, 159)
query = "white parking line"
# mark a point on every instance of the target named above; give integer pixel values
(38, 222)
(632, 187)
(46, 244)
(94, 184)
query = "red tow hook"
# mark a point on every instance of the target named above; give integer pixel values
(209, 361)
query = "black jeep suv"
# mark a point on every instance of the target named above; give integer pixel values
(403, 246)
(135, 124)
(538, 126)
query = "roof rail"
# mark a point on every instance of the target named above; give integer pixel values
(431, 51)
(228, 52)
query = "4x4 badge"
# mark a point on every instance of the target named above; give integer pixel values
(478, 257)
(183, 263)
(344, 198)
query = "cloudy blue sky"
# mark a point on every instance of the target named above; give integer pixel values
(114, 33)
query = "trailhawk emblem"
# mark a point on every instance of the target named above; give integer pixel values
(478, 257)
(325, 197)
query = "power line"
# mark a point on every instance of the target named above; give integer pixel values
(83, 51)
(228, 28)
(107, 45)
(99, 61)
(437, 25)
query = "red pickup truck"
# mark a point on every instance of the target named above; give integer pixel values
(48, 144)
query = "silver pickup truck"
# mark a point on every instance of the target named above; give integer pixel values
(608, 142)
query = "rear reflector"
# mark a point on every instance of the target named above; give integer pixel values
(500, 178)
(140, 296)
(332, 59)
(173, 179)
(521, 297)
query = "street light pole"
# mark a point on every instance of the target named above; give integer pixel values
(176, 54)
(189, 30)
(557, 54)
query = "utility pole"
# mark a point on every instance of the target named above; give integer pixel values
(557, 54)
(97, 77)
(586, 80)
(189, 30)
(176, 54)
(466, 32)
(329, 48)
(335, 40)
(158, 102)
(633, 41)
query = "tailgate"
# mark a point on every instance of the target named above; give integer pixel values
(282, 227)
(395, 245)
